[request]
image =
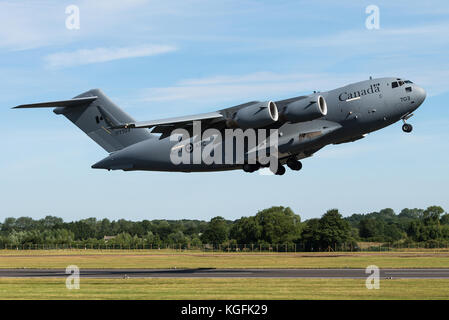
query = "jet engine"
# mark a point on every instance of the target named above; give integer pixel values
(257, 115)
(306, 109)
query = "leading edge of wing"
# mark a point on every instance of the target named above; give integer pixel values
(169, 121)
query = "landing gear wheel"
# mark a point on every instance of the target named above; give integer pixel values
(406, 127)
(251, 167)
(281, 170)
(294, 164)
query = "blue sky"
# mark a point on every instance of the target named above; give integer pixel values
(160, 59)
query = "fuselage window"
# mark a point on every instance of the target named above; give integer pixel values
(408, 89)
(394, 85)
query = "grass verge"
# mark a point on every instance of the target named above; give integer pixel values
(223, 289)
(172, 259)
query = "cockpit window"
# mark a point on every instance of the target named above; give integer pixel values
(398, 83)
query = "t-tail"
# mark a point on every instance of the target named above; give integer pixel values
(95, 114)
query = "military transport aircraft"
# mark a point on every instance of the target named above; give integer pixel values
(303, 125)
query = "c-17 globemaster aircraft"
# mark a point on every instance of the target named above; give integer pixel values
(303, 125)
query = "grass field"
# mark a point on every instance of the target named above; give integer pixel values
(223, 289)
(52, 288)
(189, 259)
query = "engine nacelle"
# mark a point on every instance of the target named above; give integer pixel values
(257, 115)
(310, 108)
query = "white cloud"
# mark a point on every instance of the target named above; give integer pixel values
(97, 55)
(115, 6)
(269, 85)
(32, 24)
(22, 27)
(353, 42)
(253, 86)
(246, 78)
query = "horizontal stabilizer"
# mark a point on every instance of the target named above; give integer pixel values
(62, 103)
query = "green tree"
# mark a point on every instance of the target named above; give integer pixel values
(334, 230)
(246, 230)
(329, 231)
(279, 225)
(311, 235)
(216, 232)
(367, 228)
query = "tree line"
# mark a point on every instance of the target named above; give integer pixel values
(275, 225)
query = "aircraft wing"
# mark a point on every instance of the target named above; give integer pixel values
(177, 121)
(214, 119)
(166, 126)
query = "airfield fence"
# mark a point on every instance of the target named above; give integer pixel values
(286, 247)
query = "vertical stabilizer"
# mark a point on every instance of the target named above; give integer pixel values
(96, 117)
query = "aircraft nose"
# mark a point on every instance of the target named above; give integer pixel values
(420, 94)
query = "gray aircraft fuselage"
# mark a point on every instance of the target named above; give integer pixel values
(352, 112)
(299, 126)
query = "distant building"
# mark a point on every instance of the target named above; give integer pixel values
(106, 238)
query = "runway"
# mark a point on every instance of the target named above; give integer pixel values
(229, 273)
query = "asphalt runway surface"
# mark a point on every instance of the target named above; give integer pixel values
(229, 273)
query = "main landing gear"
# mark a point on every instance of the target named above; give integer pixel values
(407, 127)
(251, 167)
(281, 170)
(292, 163)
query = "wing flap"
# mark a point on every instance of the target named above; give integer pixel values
(170, 121)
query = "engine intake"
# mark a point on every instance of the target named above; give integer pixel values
(257, 115)
(306, 109)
